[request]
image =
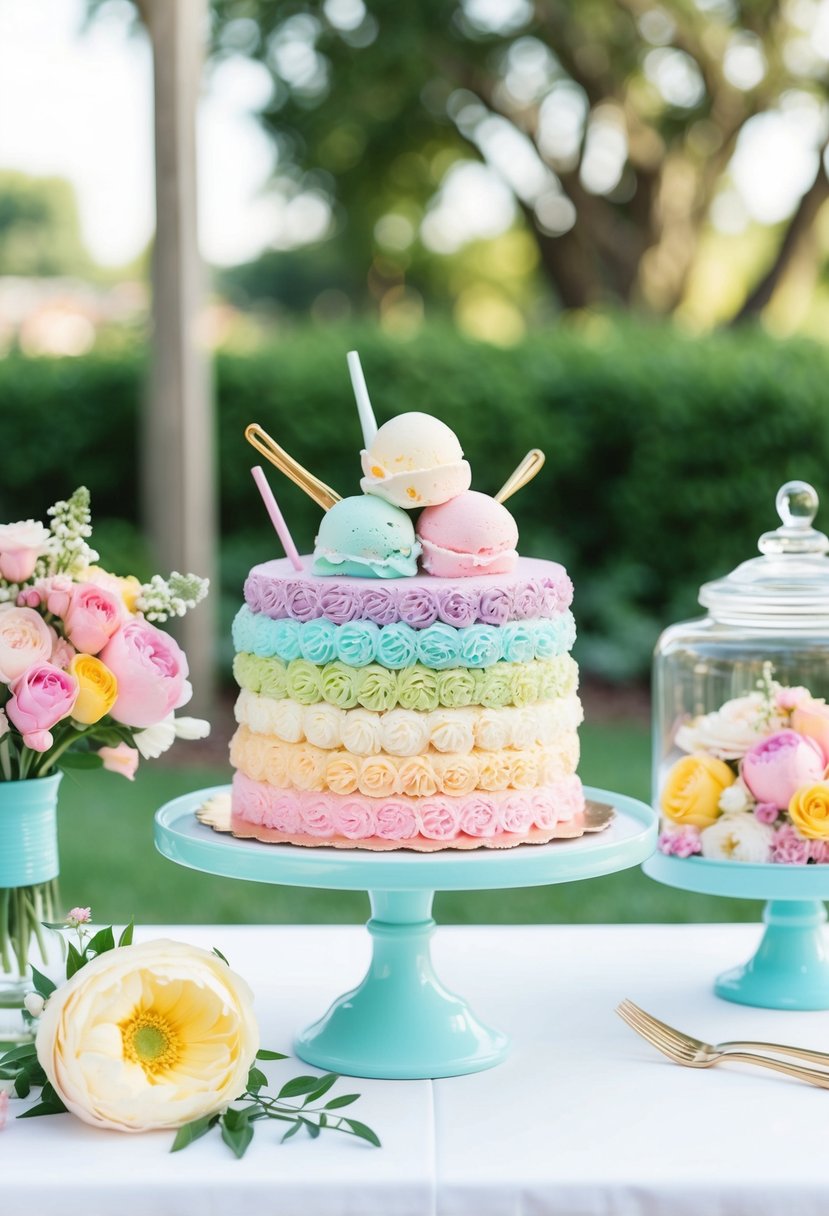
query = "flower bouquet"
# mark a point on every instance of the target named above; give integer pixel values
(87, 679)
(754, 785)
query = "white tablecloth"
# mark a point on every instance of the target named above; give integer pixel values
(583, 1118)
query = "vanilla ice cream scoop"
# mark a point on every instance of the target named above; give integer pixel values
(415, 460)
(472, 534)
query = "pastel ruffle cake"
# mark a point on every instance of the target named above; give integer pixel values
(415, 712)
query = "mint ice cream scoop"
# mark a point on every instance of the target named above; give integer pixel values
(366, 537)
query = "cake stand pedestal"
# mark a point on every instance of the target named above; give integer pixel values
(791, 967)
(401, 1022)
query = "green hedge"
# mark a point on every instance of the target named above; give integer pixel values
(663, 452)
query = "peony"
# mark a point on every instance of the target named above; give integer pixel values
(92, 617)
(775, 768)
(25, 639)
(21, 544)
(97, 689)
(730, 731)
(149, 1036)
(809, 811)
(737, 838)
(811, 718)
(122, 759)
(151, 670)
(693, 788)
(40, 698)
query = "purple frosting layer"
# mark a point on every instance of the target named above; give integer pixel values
(534, 589)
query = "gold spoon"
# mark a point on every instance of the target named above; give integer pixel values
(322, 494)
(526, 471)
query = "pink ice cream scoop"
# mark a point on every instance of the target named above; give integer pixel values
(468, 535)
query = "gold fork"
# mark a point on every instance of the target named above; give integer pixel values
(694, 1053)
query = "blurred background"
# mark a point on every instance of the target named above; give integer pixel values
(596, 226)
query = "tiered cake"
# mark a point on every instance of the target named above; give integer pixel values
(386, 707)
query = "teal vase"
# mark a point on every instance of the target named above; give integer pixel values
(28, 893)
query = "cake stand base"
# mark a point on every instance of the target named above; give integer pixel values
(790, 969)
(401, 1023)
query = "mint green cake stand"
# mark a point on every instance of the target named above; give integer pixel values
(401, 1022)
(791, 967)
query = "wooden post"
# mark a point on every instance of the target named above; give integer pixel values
(178, 457)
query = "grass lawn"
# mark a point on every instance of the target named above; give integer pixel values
(108, 860)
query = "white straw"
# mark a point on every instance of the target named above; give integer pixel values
(358, 383)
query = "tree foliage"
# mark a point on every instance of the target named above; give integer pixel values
(613, 122)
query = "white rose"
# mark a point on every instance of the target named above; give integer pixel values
(25, 639)
(735, 799)
(737, 838)
(731, 730)
(323, 725)
(493, 730)
(361, 732)
(452, 730)
(286, 719)
(404, 732)
(149, 1036)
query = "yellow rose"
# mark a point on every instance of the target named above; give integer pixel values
(809, 811)
(97, 689)
(692, 790)
(149, 1036)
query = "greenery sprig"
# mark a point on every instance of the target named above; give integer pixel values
(237, 1123)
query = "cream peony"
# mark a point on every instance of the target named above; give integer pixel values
(737, 838)
(730, 731)
(149, 1036)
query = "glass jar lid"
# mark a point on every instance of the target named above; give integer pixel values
(790, 580)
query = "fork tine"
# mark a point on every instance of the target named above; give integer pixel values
(678, 1036)
(673, 1048)
(659, 1045)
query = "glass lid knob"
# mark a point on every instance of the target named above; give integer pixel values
(797, 504)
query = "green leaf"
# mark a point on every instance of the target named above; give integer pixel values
(365, 1133)
(299, 1085)
(193, 1131)
(219, 954)
(126, 937)
(81, 760)
(26, 1051)
(74, 960)
(256, 1080)
(22, 1086)
(325, 1083)
(262, 1054)
(237, 1137)
(312, 1129)
(49, 1104)
(292, 1131)
(43, 985)
(102, 941)
(343, 1100)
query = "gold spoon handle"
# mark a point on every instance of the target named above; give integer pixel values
(526, 471)
(322, 494)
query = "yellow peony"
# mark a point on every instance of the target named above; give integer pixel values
(97, 689)
(809, 811)
(149, 1036)
(692, 790)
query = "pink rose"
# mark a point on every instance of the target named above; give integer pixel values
(790, 698)
(92, 617)
(479, 816)
(395, 821)
(811, 718)
(55, 593)
(21, 544)
(122, 759)
(777, 766)
(30, 598)
(438, 819)
(151, 670)
(42, 696)
(63, 652)
(25, 639)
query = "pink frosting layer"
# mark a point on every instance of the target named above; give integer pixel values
(534, 589)
(327, 817)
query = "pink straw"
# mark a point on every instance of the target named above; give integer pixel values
(276, 516)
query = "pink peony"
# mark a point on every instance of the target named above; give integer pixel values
(151, 670)
(122, 759)
(811, 718)
(21, 544)
(789, 847)
(777, 766)
(92, 617)
(25, 638)
(766, 812)
(42, 696)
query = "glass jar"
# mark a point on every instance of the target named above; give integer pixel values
(755, 667)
